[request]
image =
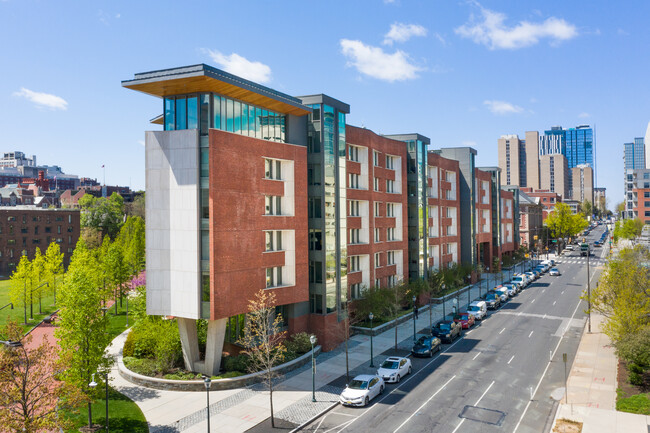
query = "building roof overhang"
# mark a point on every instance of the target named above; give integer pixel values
(204, 78)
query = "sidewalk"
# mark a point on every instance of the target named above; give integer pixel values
(592, 387)
(239, 410)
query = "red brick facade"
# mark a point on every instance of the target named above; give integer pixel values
(443, 199)
(238, 190)
(508, 218)
(483, 217)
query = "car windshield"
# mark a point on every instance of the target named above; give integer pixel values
(473, 308)
(358, 384)
(464, 316)
(554, 270)
(444, 326)
(392, 365)
(422, 341)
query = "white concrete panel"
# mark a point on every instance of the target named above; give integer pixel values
(172, 209)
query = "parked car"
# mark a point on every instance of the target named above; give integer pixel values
(465, 319)
(522, 281)
(361, 390)
(513, 289)
(533, 275)
(426, 345)
(394, 368)
(503, 298)
(492, 301)
(504, 292)
(554, 272)
(569, 247)
(447, 331)
(478, 309)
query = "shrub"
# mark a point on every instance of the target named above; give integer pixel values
(146, 367)
(167, 350)
(636, 379)
(129, 344)
(236, 363)
(298, 343)
(635, 368)
(229, 375)
(183, 375)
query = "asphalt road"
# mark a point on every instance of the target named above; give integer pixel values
(504, 375)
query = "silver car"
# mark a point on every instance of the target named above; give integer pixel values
(361, 390)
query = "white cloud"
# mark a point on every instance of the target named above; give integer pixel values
(622, 32)
(374, 62)
(502, 107)
(584, 115)
(43, 99)
(400, 32)
(240, 66)
(440, 38)
(141, 142)
(493, 33)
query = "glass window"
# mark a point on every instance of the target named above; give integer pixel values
(265, 124)
(216, 110)
(230, 113)
(251, 121)
(170, 110)
(205, 113)
(192, 113)
(181, 113)
(205, 244)
(269, 241)
(205, 203)
(237, 117)
(205, 162)
(258, 123)
(244, 119)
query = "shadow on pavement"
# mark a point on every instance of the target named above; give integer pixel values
(138, 394)
(511, 306)
(280, 425)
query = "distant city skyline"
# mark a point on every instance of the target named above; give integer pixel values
(443, 70)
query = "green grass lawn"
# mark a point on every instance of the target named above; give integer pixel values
(124, 415)
(18, 313)
(639, 403)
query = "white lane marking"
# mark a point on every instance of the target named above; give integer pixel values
(404, 382)
(513, 357)
(544, 316)
(476, 356)
(344, 425)
(502, 331)
(554, 302)
(424, 404)
(532, 301)
(562, 292)
(531, 333)
(475, 404)
(545, 370)
(543, 290)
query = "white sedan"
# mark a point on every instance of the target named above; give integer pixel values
(361, 390)
(554, 271)
(394, 368)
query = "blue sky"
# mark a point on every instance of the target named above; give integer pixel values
(459, 72)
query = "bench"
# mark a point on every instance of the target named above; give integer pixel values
(49, 319)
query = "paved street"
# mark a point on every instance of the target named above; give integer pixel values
(484, 381)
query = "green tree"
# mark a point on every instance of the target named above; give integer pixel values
(137, 206)
(82, 326)
(635, 347)
(623, 294)
(53, 266)
(39, 281)
(263, 338)
(102, 214)
(563, 223)
(19, 280)
(117, 272)
(132, 238)
(586, 207)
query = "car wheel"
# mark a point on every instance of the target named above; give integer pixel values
(397, 379)
(409, 369)
(366, 401)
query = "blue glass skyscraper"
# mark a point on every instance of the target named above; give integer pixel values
(634, 155)
(576, 144)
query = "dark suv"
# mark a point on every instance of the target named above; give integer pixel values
(493, 300)
(447, 331)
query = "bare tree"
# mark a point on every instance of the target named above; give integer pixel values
(263, 338)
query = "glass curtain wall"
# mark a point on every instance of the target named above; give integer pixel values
(341, 217)
(417, 209)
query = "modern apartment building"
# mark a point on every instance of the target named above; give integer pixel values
(519, 159)
(583, 183)
(634, 155)
(530, 219)
(509, 210)
(546, 198)
(637, 194)
(249, 188)
(483, 217)
(576, 144)
(600, 199)
(25, 228)
(554, 174)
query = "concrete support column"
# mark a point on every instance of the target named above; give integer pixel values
(189, 342)
(214, 346)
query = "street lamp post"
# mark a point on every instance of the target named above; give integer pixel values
(371, 316)
(127, 310)
(207, 382)
(414, 298)
(93, 384)
(312, 340)
(455, 301)
(588, 294)
(444, 312)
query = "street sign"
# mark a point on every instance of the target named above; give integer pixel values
(564, 357)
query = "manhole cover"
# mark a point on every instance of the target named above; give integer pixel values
(487, 416)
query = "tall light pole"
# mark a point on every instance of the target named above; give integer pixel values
(444, 312)
(588, 293)
(371, 316)
(312, 340)
(414, 298)
(93, 384)
(207, 382)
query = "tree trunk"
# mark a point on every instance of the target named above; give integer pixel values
(271, 400)
(31, 305)
(40, 309)
(90, 415)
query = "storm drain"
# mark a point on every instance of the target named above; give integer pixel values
(487, 416)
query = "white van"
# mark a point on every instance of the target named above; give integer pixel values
(478, 309)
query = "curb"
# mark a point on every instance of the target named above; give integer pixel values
(314, 418)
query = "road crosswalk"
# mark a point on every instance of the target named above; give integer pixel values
(581, 261)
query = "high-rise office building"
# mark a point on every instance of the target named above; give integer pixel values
(576, 144)
(583, 183)
(634, 154)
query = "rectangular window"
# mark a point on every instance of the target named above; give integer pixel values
(354, 181)
(181, 113)
(646, 194)
(170, 110)
(390, 210)
(273, 277)
(354, 263)
(315, 239)
(354, 236)
(377, 260)
(354, 208)
(273, 205)
(390, 162)
(390, 234)
(375, 158)
(313, 174)
(192, 113)
(377, 235)
(314, 204)
(315, 272)
(353, 153)
(355, 291)
(376, 184)
(378, 283)
(390, 185)
(272, 169)
(377, 206)
(390, 257)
